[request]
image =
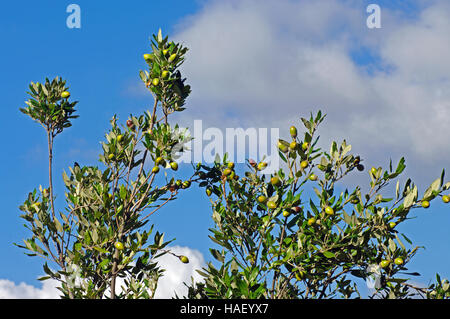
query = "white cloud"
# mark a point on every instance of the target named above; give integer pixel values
(175, 275)
(265, 64)
(421, 49)
(10, 290)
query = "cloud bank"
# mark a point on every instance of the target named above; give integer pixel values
(175, 275)
(265, 64)
(10, 290)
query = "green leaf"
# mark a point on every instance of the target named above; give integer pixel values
(329, 254)
(407, 239)
(66, 179)
(306, 123)
(58, 225)
(401, 166)
(103, 263)
(323, 161)
(400, 242)
(398, 280)
(333, 150)
(159, 38)
(282, 156)
(313, 207)
(44, 278)
(392, 245)
(412, 273)
(94, 235)
(102, 250)
(347, 218)
(358, 273)
(397, 189)
(433, 187)
(446, 186)
(123, 192)
(47, 270)
(410, 198)
(217, 255)
(234, 266)
(436, 185)
(87, 238)
(254, 274)
(346, 149)
(78, 246)
(143, 76)
(201, 273)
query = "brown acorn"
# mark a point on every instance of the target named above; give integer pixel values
(296, 209)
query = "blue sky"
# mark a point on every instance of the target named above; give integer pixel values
(229, 39)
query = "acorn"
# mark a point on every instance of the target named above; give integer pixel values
(296, 209)
(155, 170)
(305, 146)
(184, 259)
(271, 204)
(148, 57)
(186, 184)
(65, 94)
(262, 166)
(159, 160)
(118, 245)
(293, 131)
(282, 147)
(304, 164)
(286, 213)
(293, 146)
(155, 81)
(262, 199)
(275, 181)
(311, 221)
(172, 57)
(329, 210)
(174, 166)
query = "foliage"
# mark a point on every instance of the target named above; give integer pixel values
(274, 239)
(102, 235)
(275, 242)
